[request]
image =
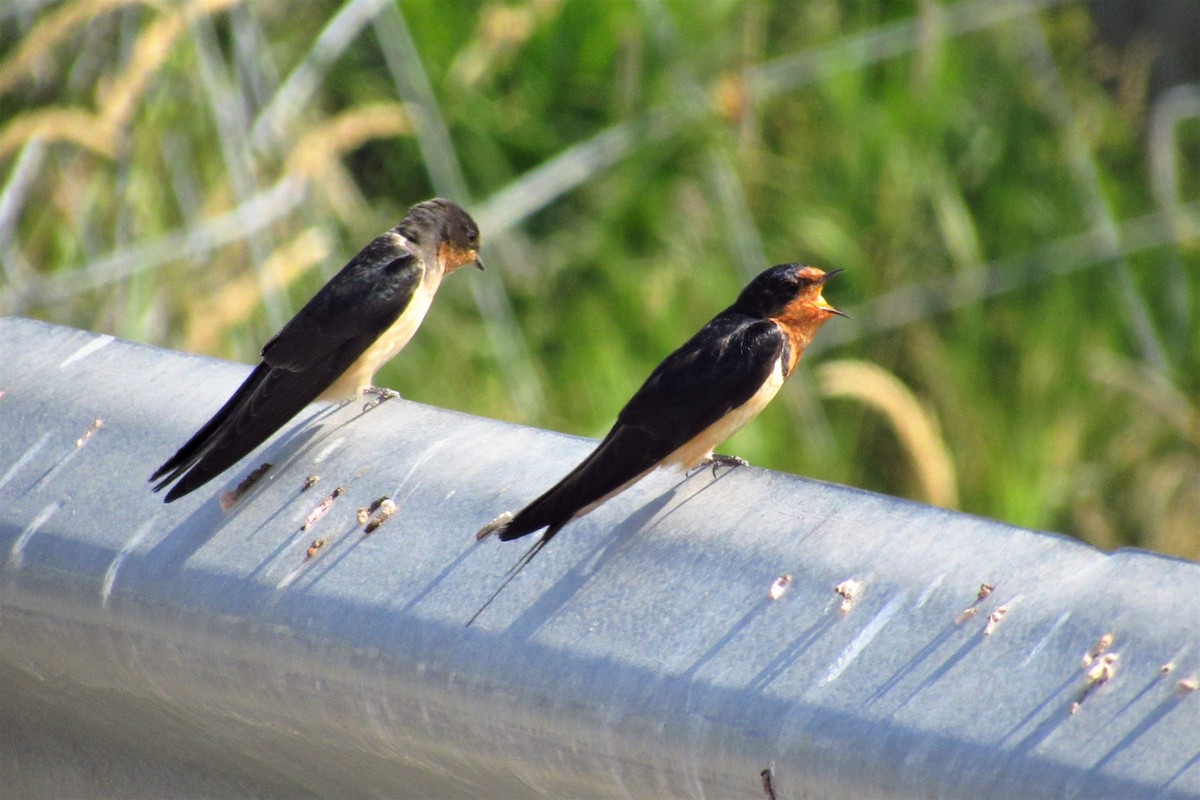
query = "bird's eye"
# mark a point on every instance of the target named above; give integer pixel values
(472, 237)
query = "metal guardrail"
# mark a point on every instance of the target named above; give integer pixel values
(182, 650)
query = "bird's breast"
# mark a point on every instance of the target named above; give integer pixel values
(701, 446)
(362, 372)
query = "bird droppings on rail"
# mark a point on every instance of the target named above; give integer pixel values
(364, 513)
(848, 590)
(499, 522)
(1097, 675)
(89, 433)
(970, 611)
(229, 499)
(1101, 647)
(779, 586)
(1099, 667)
(321, 508)
(993, 620)
(387, 507)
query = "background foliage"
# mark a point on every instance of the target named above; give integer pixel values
(1017, 213)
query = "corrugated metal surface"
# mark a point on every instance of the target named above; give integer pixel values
(182, 650)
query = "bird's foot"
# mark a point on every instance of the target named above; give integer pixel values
(498, 524)
(716, 461)
(380, 395)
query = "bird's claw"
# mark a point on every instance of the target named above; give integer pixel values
(716, 461)
(380, 394)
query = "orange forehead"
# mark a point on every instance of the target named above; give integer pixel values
(810, 273)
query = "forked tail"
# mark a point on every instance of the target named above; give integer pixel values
(516, 568)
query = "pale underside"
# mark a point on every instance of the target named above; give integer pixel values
(362, 372)
(700, 448)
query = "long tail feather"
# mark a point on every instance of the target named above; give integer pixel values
(193, 450)
(516, 569)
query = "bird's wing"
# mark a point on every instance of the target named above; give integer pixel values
(364, 298)
(716, 371)
(269, 398)
(307, 355)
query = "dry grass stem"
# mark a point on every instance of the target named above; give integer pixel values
(915, 428)
(238, 299)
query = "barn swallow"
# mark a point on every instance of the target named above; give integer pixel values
(698, 397)
(333, 347)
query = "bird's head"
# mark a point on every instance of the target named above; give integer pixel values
(790, 294)
(445, 228)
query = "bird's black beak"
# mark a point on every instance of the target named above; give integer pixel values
(830, 274)
(479, 262)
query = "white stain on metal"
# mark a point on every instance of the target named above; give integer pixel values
(24, 459)
(1037, 648)
(864, 638)
(58, 467)
(297, 540)
(98, 343)
(928, 591)
(110, 575)
(17, 554)
(418, 462)
(328, 449)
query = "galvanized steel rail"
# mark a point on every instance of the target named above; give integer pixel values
(152, 650)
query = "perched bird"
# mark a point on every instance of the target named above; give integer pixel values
(333, 347)
(697, 398)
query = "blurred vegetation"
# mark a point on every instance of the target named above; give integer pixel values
(1017, 216)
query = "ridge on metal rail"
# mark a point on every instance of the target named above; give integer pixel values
(699, 637)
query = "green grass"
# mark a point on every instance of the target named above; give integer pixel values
(953, 176)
